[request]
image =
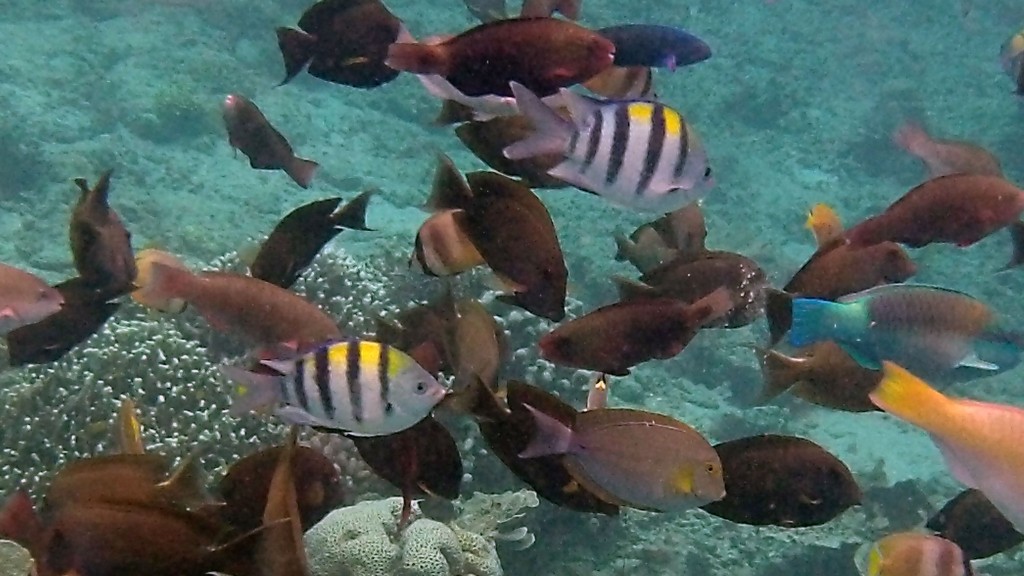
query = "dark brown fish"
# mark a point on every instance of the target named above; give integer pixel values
(623, 83)
(265, 147)
(782, 481)
(83, 314)
(823, 374)
(488, 140)
(508, 431)
(678, 233)
(614, 338)
(942, 157)
(542, 8)
(543, 54)
(260, 312)
(418, 461)
(477, 344)
(688, 279)
(973, 523)
(835, 270)
(127, 480)
(342, 41)
(100, 244)
(246, 484)
(514, 233)
(301, 234)
(958, 209)
(487, 10)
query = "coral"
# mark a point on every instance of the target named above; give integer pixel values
(14, 560)
(364, 540)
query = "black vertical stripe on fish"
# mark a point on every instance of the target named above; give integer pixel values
(655, 141)
(322, 376)
(574, 142)
(594, 142)
(353, 364)
(299, 385)
(383, 370)
(684, 149)
(620, 139)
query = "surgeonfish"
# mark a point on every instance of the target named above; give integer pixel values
(973, 523)
(655, 45)
(980, 441)
(1011, 56)
(100, 244)
(633, 457)
(442, 248)
(355, 387)
(942, 157)
(930, 329)
(912, 554)
(250, 132)
(25, 299)
(544, 54)
(638, 154)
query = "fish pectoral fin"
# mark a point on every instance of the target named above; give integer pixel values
(972, 361)
(861, 358)
(8, 312)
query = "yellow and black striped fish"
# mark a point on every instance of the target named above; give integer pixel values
(358, 387)
(636, 153)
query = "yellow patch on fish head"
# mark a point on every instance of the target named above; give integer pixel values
(875, 561)
(682, 480)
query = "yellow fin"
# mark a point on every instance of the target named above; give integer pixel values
(909, 398)
(824, 223)
(128, 429)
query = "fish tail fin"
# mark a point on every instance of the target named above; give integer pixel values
(912, 137)
(630, 289)
(188, 482)
(780, 372)
(1017, 237)
(418, 58)
(810, 320)
(551, 131)
(550, 436)
(251, 391)
(909, 398)
(302, 171)
(353, 214)
(711, 307)
(296, 49)
(778, 310)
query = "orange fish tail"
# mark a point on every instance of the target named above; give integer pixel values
(909, 398)
(418, 58)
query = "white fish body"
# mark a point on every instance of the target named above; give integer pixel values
(635, 153)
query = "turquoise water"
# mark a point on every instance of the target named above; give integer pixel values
(795, 107)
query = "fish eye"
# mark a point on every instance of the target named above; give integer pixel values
(711, 468)
(707, 172)
(421, 387)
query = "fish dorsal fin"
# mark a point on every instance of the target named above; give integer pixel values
(896, 288)
(449, 189)
(187, 484)
(580, 107)
(128, 430)
(353, 214)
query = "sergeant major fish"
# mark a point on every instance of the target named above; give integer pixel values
(638, 154)
(357, 387)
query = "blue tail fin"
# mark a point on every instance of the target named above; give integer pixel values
(812, 321)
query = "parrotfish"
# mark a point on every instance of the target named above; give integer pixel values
(25, 299)
(980, 441)
(100, 244)
(144, 261)
(655, 45)
(614, 338)
(638, 154)
(265, 147)
(973, 523)
(302, 233)
(353, 387)
(930, 329)
(912, 554)
(942, 157)
(342, 41)
(544, 54)
(958, 209)
(782, 481)
(633, 457)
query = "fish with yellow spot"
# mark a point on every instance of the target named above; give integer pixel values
(912, 554)
(635, 153)
(632, 457)
(355, 387)
(980, 441)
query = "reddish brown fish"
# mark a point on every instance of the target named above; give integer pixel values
(260, 312)
(614, 338)
(942, 157)
(341, 41)
(957, 209)
(280, 551)
(822, 374)
(100, 244)
(543, 54)
(251, 132)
